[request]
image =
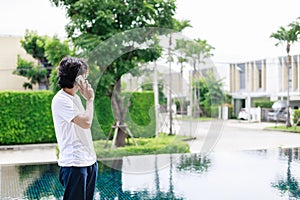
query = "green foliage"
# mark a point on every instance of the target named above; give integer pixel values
(211, 111)
(98, 21)
(210, 94)
(141, 114)
(147, 87)
(48, 52)
(162, 145)
(195, 51)
(291, 129)
(230, 112)
(263, 104)
(34, 73)
(35, 45)
(103, 119)
(25, 117)
(162, 99)
(181, 105)
(140, 117)
(54, 81)
(288, 35)
(296, 116)
(106, 18)
(55, 50)
(228, 98)
(107, 23)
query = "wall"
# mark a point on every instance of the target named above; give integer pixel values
(10, 48)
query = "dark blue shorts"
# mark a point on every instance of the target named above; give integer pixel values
(79, 182)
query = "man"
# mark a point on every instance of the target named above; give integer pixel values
(77, 158)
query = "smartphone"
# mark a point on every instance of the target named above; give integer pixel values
(80, 80)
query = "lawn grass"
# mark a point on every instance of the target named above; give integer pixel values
(192, 118)
(164, 144)
(292, 129)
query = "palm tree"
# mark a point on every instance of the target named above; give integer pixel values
(179, 26)
(287, 35)
(181, 60)
(196, 52)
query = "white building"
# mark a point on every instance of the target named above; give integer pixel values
(264, 79)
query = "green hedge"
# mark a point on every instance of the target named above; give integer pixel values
(140, 117)
(263, 104)
(25, 117)
(103, 118)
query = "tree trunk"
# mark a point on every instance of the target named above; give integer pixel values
(195, 98)
(181, 88)
(119, 110)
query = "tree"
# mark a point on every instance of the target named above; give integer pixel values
(34, 73)
(209, 93)
(296, 26)
(92, 23)
(195, 52)
(288, 35)
(181, 59)
(47, 51)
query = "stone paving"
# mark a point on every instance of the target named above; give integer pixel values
(21, 154)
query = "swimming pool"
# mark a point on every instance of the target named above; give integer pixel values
(258, 174)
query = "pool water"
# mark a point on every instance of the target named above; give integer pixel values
(254, 175)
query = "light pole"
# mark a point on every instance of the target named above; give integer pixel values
(288, 123)
(156, 100)
(170, 85)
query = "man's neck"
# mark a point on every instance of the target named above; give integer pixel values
(70, 91)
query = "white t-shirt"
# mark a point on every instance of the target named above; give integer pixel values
(75, 143)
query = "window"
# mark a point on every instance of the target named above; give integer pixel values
(241, 68)
(259, 64)
(259, 78)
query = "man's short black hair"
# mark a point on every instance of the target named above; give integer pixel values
(69, 68)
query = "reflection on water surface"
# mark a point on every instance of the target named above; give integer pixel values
(263, 174)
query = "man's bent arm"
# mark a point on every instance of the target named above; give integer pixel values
(84, 120)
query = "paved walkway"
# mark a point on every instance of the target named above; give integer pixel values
(32, 153)
(233, 135)
(241, 135)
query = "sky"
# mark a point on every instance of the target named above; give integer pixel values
(238, 30)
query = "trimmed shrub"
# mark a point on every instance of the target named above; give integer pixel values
(25, 117)
(164, 144)
(214, 111)
(211, 111)
(296, 116)
(140, 117)
(103, 118)
(230, 111)
(263, 104)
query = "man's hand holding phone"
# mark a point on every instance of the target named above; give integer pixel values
(85, 88)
